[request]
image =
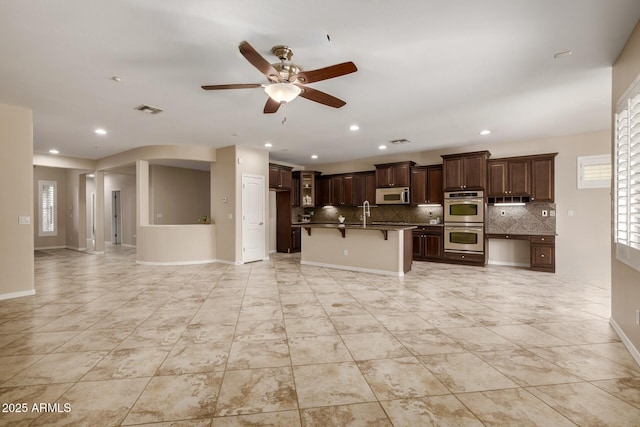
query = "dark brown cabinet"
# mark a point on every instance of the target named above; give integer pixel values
(426, 185)
(280, 177)
(509, 177)
(323, 191)
(427, 243)
(466, 171)
(296, 239)
(364, 188)
(342, 190)
(542, 178)
(393, 174)
(543, 253)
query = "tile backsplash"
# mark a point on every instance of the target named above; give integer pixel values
(526, 219)
(391, 213)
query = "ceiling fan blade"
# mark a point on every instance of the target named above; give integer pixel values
(259, 62)
(325, 73)
(271, 106)
(232, 86)
(320, 97)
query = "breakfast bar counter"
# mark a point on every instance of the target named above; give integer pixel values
(380, 249)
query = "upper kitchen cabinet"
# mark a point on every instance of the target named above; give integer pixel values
(542, 177)
(509, 177)
(364, 188)
(304, 184)
(342, 190)
(279, 177)
(393, 174)
(426, 185)
(467, 171)
(323, 191)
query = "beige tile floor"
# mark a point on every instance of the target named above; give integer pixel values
(276, 344)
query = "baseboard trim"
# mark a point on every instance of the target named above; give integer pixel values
(20, 294)
(127, 245)
(626, 341)
(43, 248)
(224, 261)
(168, 263)
(349, 268)
(509, 264)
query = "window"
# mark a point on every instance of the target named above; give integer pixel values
(627, 177)
(594, 171)
(48, 203)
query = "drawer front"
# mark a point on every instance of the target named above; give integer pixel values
(549, 240)
(509, 236)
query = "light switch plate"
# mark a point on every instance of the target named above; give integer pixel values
(24, 220)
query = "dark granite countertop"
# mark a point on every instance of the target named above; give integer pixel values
(355, 226)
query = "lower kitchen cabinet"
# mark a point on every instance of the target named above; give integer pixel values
(428, 243)
(296, 239)
(465, 258)
(543, 253)
(542, 249)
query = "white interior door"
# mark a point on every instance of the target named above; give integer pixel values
(253, 218)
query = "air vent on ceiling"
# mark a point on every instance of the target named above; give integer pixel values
(399, 141)
(149, 109)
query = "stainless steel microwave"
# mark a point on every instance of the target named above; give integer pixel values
(392, 196)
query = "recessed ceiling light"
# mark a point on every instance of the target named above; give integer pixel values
(485, 132)
(116, 79)
(354, 128)
(101, 131)
(314, 156)
(268, 145)
(54, 151)
(382, 147)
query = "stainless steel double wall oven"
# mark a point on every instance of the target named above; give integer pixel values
(464, 222)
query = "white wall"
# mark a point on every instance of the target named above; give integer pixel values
(625, 281)
(16, 187)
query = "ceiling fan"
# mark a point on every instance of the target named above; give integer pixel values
(287, 80)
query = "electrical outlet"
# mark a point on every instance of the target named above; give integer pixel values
(552, 213)
(545, 213)
(503, 212)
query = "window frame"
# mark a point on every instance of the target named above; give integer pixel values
(53, 208)
(586, 161)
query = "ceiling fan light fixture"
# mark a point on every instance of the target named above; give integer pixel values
(282, 92)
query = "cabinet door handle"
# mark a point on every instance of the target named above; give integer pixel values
(542, 256)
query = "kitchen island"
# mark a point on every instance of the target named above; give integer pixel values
(380, 249)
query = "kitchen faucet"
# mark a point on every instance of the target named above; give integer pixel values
(366, 211)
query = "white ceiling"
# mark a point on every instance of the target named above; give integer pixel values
(435, 72)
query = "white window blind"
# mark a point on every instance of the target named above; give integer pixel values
(627, 178)
(594, 171)
(47, 197)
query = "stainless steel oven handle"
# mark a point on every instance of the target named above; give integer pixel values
(464, 229)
